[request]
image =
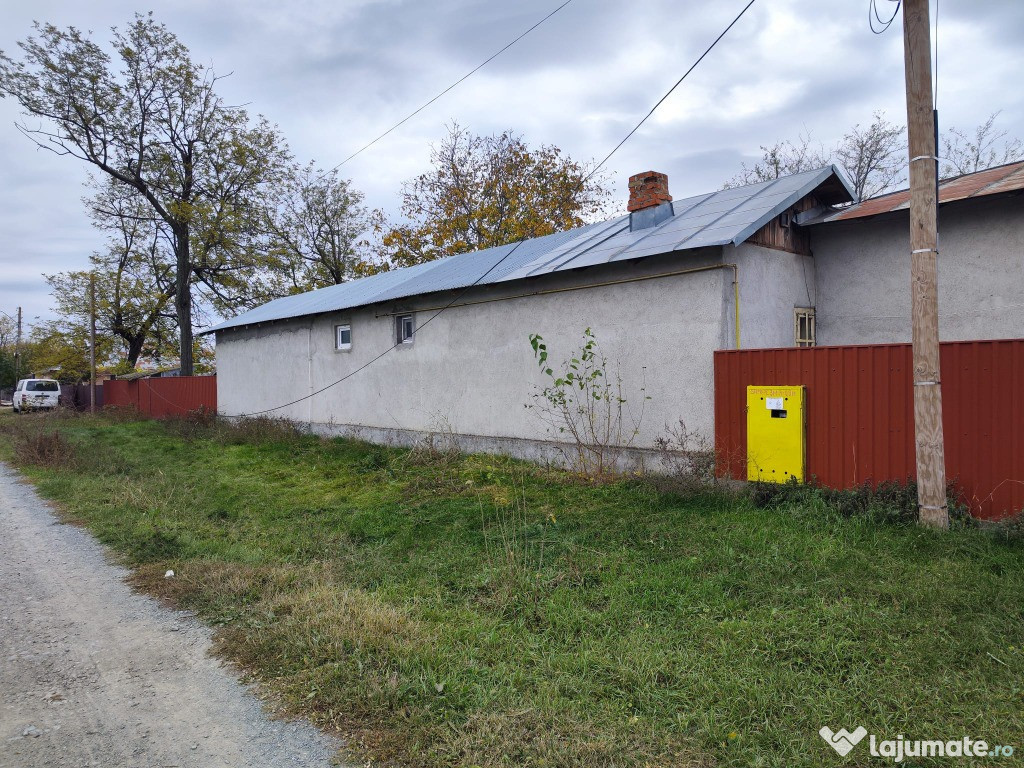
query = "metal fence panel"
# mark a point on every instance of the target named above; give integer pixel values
(159, 398)
(860, 414)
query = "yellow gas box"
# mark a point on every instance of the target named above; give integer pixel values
(776, 434)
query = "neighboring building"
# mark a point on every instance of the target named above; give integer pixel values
(151, 373)
(862, 256)
(773, 264)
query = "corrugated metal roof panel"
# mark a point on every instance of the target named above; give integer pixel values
(726, 216)
(1003, 178)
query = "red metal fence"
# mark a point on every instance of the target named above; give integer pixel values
(860, 414)
(172, 396)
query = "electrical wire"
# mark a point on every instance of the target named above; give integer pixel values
(874, 15)
(473, 71)
(500, 261)
(677, 83)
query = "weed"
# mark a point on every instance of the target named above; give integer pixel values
(120, 414)
(200, 423)
(687, 459)
(255, 430)
(35, 443)
(890, 502)
(438, 448)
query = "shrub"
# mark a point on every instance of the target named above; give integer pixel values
(43, 448)
(587, 406)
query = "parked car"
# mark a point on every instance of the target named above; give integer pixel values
(36, 393)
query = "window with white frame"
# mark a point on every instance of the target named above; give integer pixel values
(803, 326)
(343, 337)
(405, 329)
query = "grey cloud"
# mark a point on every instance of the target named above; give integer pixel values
(334, 75)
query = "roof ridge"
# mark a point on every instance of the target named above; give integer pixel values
(743, 201)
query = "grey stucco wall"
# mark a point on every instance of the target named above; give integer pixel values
(471, 369)
(772, 285)
(863, 274)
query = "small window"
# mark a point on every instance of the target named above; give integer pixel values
(405, 328)
(343, 337)
(803, 321)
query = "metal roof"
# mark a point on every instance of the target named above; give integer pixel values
(993, 181)
(728, 216)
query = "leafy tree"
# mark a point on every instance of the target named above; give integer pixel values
(134, 280)
(62, 352)
(988, 147)
(9, 369)
(485, 191)
(316, 225)
(153, 122)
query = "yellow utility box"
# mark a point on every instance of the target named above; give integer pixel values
(776, 434)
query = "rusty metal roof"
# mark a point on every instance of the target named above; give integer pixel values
(1003, 178)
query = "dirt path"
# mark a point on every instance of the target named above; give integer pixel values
(92, 674)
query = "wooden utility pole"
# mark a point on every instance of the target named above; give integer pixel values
(92, 343)
(924, 303)
(17, 351)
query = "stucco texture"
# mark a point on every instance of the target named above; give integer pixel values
(863, 274)
(471, 369)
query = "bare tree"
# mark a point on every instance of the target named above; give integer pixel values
(156, 125)
(873, 157)
(988, 147)
(783, 158)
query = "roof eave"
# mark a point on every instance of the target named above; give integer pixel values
(824, 175)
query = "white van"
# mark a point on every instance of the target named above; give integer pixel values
(36, 393)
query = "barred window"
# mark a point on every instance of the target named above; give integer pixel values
(803, 326)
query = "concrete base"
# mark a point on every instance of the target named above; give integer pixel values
(543, 452)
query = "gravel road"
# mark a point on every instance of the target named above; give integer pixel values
(93, 674)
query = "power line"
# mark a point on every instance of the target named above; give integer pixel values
(473, 71)
(875, 16)
(496, 264)
(677, 83)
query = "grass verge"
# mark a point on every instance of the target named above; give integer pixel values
(478, 611)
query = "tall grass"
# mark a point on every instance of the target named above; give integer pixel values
(460, 610)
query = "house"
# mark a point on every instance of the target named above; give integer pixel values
(151, 373)
(788, 262)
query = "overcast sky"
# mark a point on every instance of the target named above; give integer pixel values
(335, 73)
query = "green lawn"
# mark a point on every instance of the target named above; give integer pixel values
(482, 611)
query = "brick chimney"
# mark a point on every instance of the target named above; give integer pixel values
(647, 190)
